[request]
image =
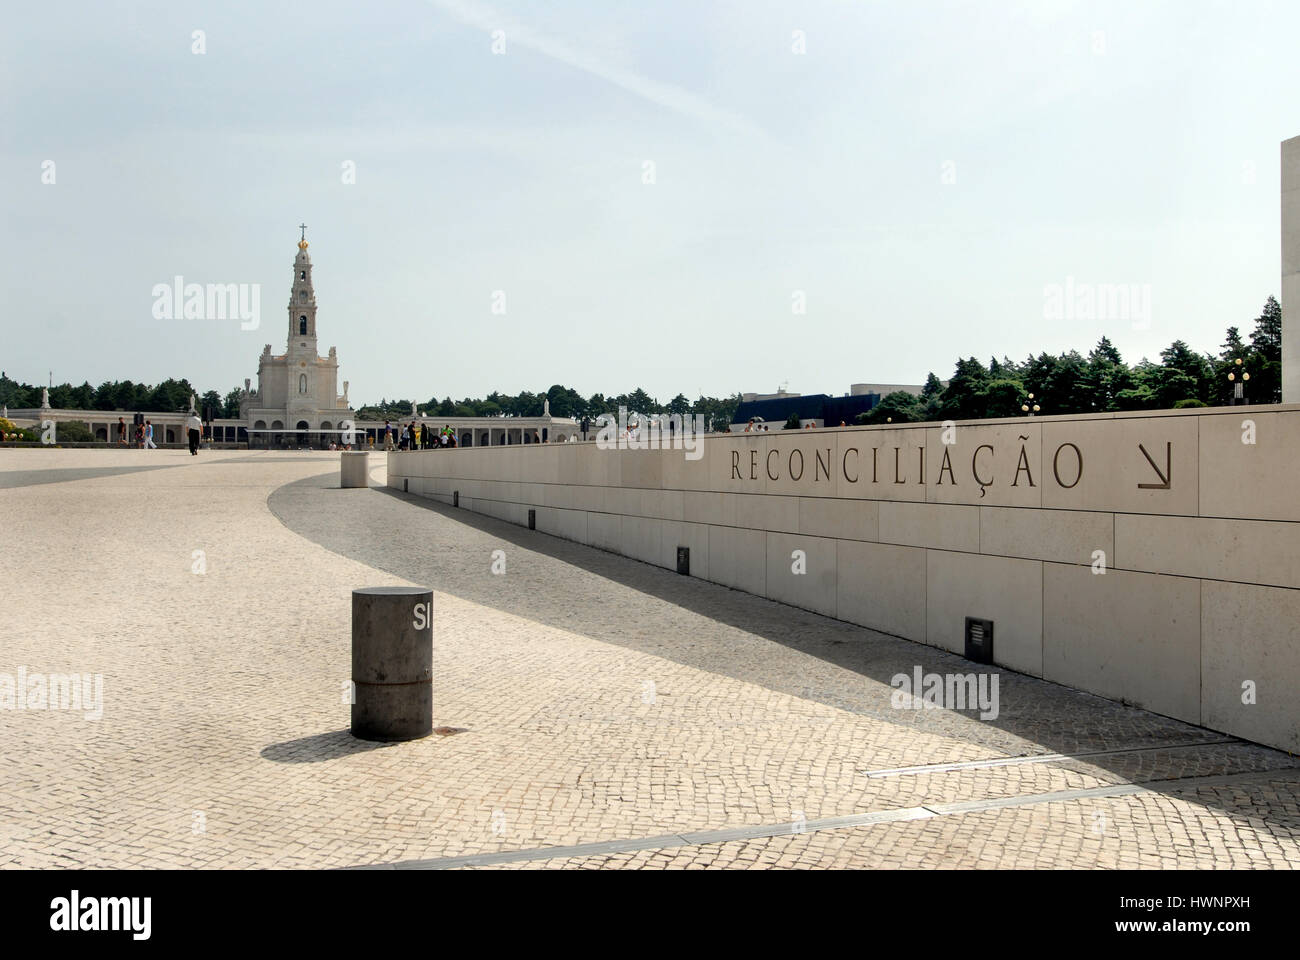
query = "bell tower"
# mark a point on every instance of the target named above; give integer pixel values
(302, 302)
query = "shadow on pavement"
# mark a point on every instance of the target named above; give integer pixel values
(815, 657)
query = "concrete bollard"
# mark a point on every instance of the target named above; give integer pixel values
(354, 468)
(392, 663)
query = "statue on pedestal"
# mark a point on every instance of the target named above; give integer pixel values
(45, 398)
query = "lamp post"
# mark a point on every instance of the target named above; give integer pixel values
(1238, 383)
(1030, 408)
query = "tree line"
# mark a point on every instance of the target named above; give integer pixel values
(1100, 382)
(170, 396)
(564, 401)
(1065, 383)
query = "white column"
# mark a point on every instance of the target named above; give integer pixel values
(1290, 273)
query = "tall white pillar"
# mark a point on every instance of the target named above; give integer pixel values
(1291, 270)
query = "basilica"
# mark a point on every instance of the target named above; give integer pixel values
(297, 404)
(297, 391)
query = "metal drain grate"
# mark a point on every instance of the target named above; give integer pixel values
(979, 640)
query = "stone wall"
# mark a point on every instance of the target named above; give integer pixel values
(1192, 515)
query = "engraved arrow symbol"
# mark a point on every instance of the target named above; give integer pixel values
(1165, 475)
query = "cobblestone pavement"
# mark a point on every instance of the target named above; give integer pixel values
(583, 699)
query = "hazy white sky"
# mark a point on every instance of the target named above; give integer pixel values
(921, 173)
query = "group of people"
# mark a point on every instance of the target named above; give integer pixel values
(141, 434)
(758, 426)
(418, 436)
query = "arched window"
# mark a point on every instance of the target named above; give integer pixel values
(302, 325)
(302, 296)
(302, 274)
(302, 383)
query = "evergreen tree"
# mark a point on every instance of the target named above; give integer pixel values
(897, 407)
(1105, 376)
(1179, 358)
(1065, 389)
(1003, 398)
(963, 399)
(1265, 362)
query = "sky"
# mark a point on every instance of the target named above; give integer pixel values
(695, 197)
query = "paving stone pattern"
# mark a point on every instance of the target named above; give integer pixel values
(581, 698)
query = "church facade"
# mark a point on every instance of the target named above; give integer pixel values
(297, 398)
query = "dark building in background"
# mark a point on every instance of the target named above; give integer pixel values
(822, 409)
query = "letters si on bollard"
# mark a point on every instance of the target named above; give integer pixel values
(392, 663)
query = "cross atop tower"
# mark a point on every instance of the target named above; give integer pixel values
(303, 227)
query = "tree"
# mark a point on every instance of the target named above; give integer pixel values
(565, 401)
(718, 414)
(104, 396)
(1003, 398)
(1169, 385)
(12, 393)
(72, 431)
(1234, 349)
(962, 399)
(1105, 350)
(1036, 373)
(1141, 395)
(1265, 362)
(230, 408)
(897, 407)
(82, 397)
(1179, 358)
(1105, 376)
(170, 395)
(1065, 389)
(931, 398)
(642, 402)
